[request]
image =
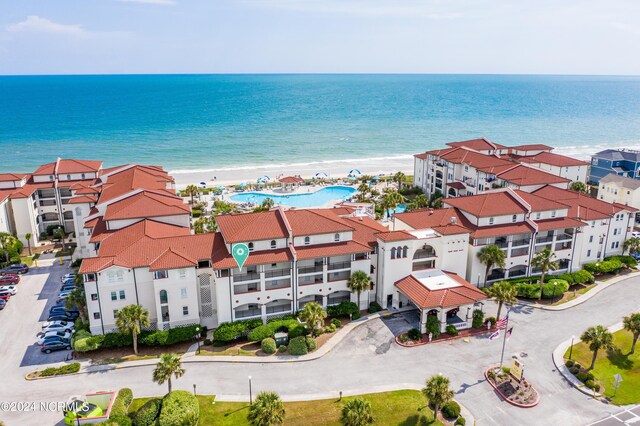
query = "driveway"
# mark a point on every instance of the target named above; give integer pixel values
(367, 358)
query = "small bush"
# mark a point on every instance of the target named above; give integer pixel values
(336, 322)
(298, 346)
(569, 363)
(414, 334)
(582, 376)
(374, 307)
(57, 371)
(590, 376)
(574, 370)
(120, 419)
(589, 384)
(460, 421)
(403, 338)
(451, 410)
(451, 330)
(477, 318)
(551, 289)
(296, 330)
(196, 213)
(433, 326)
(330, 328)
(126, 395)
(179, 408)
(528, 290)
(596, 387)
(506, 370)
(582, 277)
(147, 413)
(268, 346)
(282, 348)
(343, 309)
(230, 331)
(121, 406)
(311, 343)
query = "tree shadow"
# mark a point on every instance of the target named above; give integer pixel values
(520, 308)
(228, 413)
(417, 420)
(620, 360)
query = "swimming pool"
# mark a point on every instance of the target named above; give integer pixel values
(312, 199)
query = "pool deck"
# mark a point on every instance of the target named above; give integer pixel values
(302, 190)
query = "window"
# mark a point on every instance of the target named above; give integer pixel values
(115, 313)
(307, 241)
(490, 221)
(553, 213)
(50, 177)
(593, 224)
(336, 237)
(588, 253)
(96, 315)
(393, 252)
(405, 249)
(613, 245)
(538, 215)
(183, 293)
(514, 218)
(122, 296)
(273, 244)
(160, 275)
(250, 246)
(163, 296)
(68, 177)
(591, 239)
(615, 232)
(114, 296)
(82, 176)
(94, 296)
(185, 310)
(90, 277)
(182, 273)
(466, 168)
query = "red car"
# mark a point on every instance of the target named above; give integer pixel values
(5, 295)
(9, 279)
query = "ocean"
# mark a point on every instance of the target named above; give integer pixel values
(210, 125)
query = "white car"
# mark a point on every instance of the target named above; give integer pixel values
(67, 276)
(10, 288)
(44, 335)
(635, 234)
(65, 326)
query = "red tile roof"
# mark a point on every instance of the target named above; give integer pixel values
(432, 218)
(481, 144)
(475, 159)
(67, 166)
(222, 259)
(532, 147)
(553, 160)
(146, 204)
(582, 206)
(424, 298)
(331, 249)
(501, 230)
(5, 193)
(83, 199)
(315, 221)
(169, 259)
(539, 204)
(128, 178)
(30, 187)
(558, 223)
(392, 236)
(365, 230)
(9, 177)
(488, 204)
(243, 227)
(291, 179)
(523, 175)
(456, 185)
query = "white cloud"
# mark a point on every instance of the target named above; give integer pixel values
(164, 2)
(43, 25)
(625, 27)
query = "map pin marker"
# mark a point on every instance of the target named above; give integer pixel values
(240, 253)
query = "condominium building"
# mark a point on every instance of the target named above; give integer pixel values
(473, 166)
(620, 189)
(620, 162)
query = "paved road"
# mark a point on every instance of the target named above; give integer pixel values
(629, 416)
(367, 357)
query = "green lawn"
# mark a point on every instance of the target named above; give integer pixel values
(406, 408)
(616, 361)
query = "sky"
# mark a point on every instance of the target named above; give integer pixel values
(320, 36)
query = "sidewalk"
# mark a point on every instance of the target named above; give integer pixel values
(600, 286)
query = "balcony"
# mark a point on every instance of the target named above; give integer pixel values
(277, 273)
(563, 246)
(541, 240)
(249, 276)
(247, 313)
(246, 288)
(339, 276)
(520, 252)
(310, 279)
(563, 237)
(502, 243)
(424, 254)
(339, 265)
(47, 203)
(337, 300)
(309, 269)
(518, 243)
(278, 309)
(278, 284)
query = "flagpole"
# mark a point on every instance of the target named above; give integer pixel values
(504, 339)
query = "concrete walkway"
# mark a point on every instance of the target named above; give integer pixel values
(600, 286)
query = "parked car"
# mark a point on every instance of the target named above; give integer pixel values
(51, 345)
(57, 316)
(59, 307)
(80, 410)
(10, 288)
(635, 234)
(636, 256)
(2, 304)
(68, 281)
(68, 276)
(15, 269)
(66, 326)
(43, 336)
(67, 287)
(9, 279)
(5, 295)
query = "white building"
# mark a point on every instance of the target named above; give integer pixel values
(620, 189)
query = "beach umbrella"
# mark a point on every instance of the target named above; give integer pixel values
(354, 172)
(221, 187)
(376, 177)
(321, 175)
(264, 179)
(242, 185)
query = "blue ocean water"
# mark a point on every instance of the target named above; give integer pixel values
(203, 122)
(312, 199)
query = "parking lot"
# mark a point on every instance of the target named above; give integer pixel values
(25, 312)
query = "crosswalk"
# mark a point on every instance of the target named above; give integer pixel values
(630, 416)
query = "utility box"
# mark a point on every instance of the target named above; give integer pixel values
(281, 339)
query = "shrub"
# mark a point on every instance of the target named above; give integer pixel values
(282, 348)
(196, 213)
(258, 334)
(147, 413)
(343, 309)
(374, 307)
(311, 343)
(574, 370)
(582, 376)
(230, 331)
(206, 342)
(566, 277)
(117, 340)
(569, 363)
(414, 334)
(298, 346)
(120, 419)
(296, 330)
(492, 320)
(506, 370)
(460, 421)
(57, 371)
(603, 267)
(268, 346)
(550, 289)
(478, 318)
(451, 410)
(81, 325)
(126, 395)
(451, 330)
(179, 408)
(355, 316)
(582, 277)
(87, 344)
(330, 328)
(589, 384)
(336, 322)
(590, 376)
(433, 326)
(403, 338)
(597, 387)
(121, 406)
(626, 260)
(528, 291)
(268, 330)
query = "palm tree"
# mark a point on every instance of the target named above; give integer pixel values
(6, 243)
(420, 201)
(132, 318)
(597, 338)
(363, 188)
(399, 178)
(267, 410)
(437, 392)
(632, 324)
(222, 207)
(359, 282)
(191, 191)
(578, 186)
(491, 256)
(503, 292)
(27, 237)
(312, 314)
(169, 365)
(544, 261)
(357, 412)
(390, 200)
(632, 245)
(198, 225)
(78, 299)
(268, 203)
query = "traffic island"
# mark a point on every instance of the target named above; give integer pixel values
(516, 391)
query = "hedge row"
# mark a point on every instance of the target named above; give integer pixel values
(84, 343)
(302, 345)
(121, 406)
(147, 414)
(604, 267)
(344, 309)
(579, 277)
(57, 371)
(291, 326)
(230, 331)
(179, 408)
(625, 260)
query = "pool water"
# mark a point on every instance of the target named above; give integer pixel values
(313, 199)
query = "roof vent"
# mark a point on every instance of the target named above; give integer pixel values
(453, 220)
(430, 212)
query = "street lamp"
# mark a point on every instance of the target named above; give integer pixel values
(198, 339)
(555, 286)
(250, 395)
(571, 347)
(194, 388)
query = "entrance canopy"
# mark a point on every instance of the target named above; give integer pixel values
(433, 288)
